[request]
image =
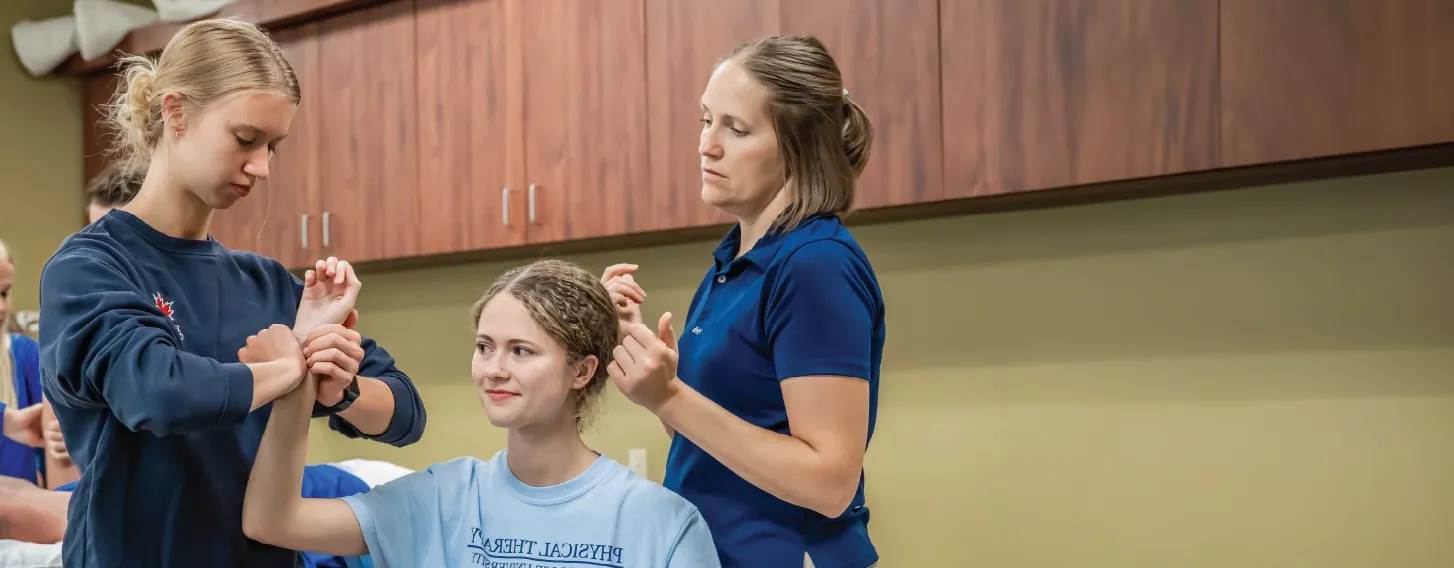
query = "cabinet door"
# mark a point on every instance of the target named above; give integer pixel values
(279, 219)
(685, 41)
(1052, 93)
(1313, 78)
(369, 146)
(888, 52)
(469, 128)
(584, 117)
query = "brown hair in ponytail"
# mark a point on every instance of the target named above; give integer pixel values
(824, 137)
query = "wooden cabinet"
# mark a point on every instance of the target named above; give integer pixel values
(470, 133)
(1315, 78)
(532, 115)
(584, 118)
(888, 52)
(450, 126)
(369, 143)
(1042, 94)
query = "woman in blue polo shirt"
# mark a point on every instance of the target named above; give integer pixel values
(773, 403)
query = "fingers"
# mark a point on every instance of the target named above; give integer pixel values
(333, 343)
(666, 333)
(329, 370)
(334, 273)
(643, 336)
(627, 289)
(55, 443)
(346, 365)
(622, 358)
(331, 329)
(617, 270)
(349, 280)
(615, 371)
(637, 349)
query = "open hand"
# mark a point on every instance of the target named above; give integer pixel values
(626, 294)
(329, 293)
(23, 425)
(334, 354)
(645, 364)
(55, 443)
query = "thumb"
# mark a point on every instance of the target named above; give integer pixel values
(665, 331)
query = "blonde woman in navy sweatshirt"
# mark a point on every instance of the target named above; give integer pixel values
(162, 351)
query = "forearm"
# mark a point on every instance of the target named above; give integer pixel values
(271, 380)
(786, 467)
(31, 514)
(373, 411)
(274, 510)
(275, 486)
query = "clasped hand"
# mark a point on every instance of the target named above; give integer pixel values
(644, 365)
(322, 343)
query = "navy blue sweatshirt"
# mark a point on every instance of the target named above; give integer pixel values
(139, 340)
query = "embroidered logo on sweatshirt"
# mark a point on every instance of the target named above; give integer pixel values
(166, 308)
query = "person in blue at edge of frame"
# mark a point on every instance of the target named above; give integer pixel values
(33, 520)
(145, 315)
(771, 402)
(21, 447)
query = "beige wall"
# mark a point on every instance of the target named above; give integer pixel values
(1253, 378)
(40, 153)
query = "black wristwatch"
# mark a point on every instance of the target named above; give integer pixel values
(350, 394)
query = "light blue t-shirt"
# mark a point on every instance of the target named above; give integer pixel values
(467, 512)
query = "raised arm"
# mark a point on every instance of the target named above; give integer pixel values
(274, 510)
(106, 344)
(820, 320)
(628, 296)
(388, 408)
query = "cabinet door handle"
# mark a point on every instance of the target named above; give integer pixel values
(505, 206)
(303, 231)
(532, 203)
(325, 229)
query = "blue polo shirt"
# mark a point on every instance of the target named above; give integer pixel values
(805, 302)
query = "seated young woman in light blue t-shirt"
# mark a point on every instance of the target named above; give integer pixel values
(545, 334)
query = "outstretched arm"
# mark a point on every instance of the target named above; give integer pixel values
(274, 511)
(388, 407)
(108, 344)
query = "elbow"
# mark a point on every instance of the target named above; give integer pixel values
(407, 425)
(164, 415)
(262, 526)
(832, 504)
(254, 527)
(836, 495)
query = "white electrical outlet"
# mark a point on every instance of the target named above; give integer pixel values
(637, 461)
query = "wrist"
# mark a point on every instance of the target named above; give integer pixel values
(671, 399)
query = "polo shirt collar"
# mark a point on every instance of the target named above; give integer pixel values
(763, 252)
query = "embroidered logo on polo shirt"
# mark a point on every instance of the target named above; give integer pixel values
(166, 308)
